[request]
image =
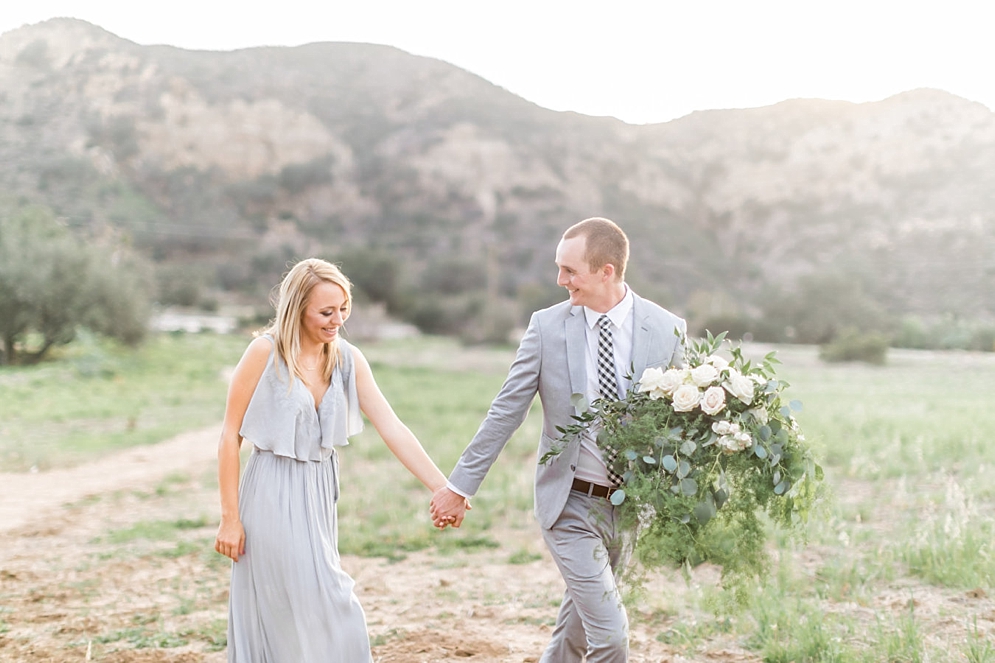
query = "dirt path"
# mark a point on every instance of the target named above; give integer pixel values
(80, 581)
(114, 561)
(29, 497)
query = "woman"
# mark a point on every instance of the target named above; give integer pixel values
(295, 395)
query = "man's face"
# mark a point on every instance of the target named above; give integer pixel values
(586, 288)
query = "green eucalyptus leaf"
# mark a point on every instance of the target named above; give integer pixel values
(669, 463)
(760, 451)
(764, 432)
(785, 411)
(777, 477)
(704, 511)
(630, 454)
(688, 447)
(675, 489)
(720, 496)
(781, 487)
(683, 469)
(649, 460)
(795, 405)
(819, 473)
(617, 497)
(686, 518)
(689, 486)
(580, 402)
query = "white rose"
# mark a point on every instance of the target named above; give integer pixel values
(651, 379)
(686, 397)
(721, 427)
(717, 361)
(704, 375)
(739, 386)
(713, 400)
(759, 415)
(728, 444)
(672, 379)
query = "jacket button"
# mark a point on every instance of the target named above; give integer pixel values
(573, 468)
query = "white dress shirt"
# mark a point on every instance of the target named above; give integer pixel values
(591, 465)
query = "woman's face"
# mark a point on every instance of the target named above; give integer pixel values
(325, 312)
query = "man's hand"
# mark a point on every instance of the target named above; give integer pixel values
(448, 508)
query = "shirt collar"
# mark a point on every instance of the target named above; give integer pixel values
(617, 314)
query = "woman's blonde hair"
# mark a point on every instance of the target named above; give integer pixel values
(295, 293)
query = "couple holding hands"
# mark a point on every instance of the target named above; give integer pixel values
(300, 391)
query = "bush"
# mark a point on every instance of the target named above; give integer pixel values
(945, 333)
(821, 306)
(492, 322)
(854, 345)
(51, 283)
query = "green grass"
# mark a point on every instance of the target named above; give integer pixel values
(95, 396)
(156, 530)
(382, 505)
(906, 448)
(923, 413)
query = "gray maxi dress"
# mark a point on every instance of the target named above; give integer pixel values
(290, 600)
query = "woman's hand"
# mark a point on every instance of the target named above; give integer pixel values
(230, 541)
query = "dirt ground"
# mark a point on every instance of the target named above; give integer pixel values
(86, 575)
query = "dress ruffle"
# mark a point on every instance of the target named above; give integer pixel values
(284, 420)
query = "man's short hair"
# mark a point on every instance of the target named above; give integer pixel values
(605, 243)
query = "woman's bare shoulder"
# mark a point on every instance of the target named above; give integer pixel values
(257, 353)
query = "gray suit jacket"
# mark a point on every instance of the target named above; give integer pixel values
(551, 362)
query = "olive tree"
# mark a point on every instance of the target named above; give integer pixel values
(51, 283)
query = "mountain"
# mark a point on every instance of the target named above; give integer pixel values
(229, 163)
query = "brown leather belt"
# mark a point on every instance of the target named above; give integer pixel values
(592, 489)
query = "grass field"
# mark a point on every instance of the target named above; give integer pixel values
(900, 568)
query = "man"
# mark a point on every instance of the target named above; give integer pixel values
(582, 347)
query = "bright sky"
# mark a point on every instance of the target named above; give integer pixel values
(638, 60)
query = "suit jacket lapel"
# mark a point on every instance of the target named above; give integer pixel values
(642, 334)
(576, 338)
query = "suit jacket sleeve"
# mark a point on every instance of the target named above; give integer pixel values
(506, 414)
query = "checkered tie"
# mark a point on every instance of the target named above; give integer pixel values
(608, 386)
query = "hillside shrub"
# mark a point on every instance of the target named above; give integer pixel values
(854, 345)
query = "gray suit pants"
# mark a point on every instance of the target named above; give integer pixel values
(590, 552)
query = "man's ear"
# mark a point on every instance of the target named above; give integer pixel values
(608, 271)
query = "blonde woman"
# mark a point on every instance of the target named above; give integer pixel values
(295, 396)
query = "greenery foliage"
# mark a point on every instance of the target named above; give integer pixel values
(704, 451)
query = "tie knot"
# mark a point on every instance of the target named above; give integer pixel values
(604, 321)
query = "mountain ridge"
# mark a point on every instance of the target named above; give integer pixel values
(335, 148)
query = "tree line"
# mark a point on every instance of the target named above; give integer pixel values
(54, 281)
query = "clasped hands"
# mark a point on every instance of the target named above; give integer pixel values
(448, 508)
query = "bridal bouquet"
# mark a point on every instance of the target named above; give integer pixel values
(705, 450)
